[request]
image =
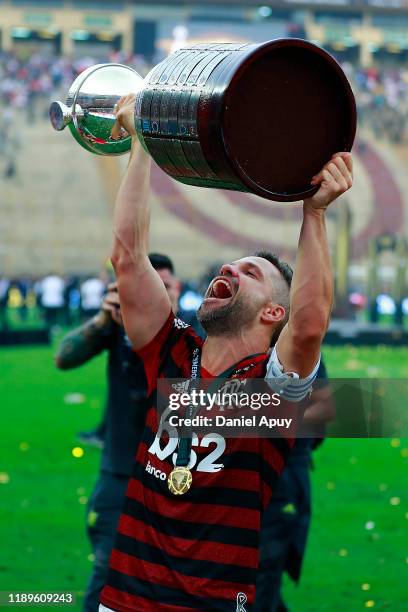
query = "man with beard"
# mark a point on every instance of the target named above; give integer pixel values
(188, 535)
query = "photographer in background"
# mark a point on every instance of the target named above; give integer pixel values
(124, 416)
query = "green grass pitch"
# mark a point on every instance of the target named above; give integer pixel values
(357, 556)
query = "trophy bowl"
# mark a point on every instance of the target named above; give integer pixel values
(260, 118)
(89, 109)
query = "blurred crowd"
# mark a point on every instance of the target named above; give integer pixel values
(27, 86)
(55, 300)
(60, 301)
(382, 100)
(29, 83)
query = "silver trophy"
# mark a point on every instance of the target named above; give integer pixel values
(89, 109)
(230, 116)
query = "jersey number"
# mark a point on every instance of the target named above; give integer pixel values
(207, 464)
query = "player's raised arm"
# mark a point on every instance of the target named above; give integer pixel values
(311, 295)
(144, 301)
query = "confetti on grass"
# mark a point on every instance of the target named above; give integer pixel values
(74, 398)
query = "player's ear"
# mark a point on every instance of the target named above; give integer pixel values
(273, 313)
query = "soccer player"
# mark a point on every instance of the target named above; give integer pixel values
(199, 550)
(124, 416)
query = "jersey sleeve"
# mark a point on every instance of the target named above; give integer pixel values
(289, 385)
(155, 352)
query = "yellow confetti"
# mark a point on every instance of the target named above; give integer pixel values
(406, 515)
(365, 586)
(343, 552)
(354, 364)
(91, 557)
(81, 490)
(331, 486)
(353, 460)
(395, 501)
(404, 453)
(83, 500)
(370, 603)
(24, 446)
(92, 518)
(289, 509)
(78, 452)
(4, 478)
(383, 486)
(395, 442)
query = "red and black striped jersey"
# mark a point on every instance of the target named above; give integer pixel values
(197, 551)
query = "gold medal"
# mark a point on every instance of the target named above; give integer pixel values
(179, 480)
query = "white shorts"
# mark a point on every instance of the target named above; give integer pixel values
(103, 608)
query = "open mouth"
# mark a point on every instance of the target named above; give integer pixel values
(221, 289)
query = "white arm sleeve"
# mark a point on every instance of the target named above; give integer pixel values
(288, 384)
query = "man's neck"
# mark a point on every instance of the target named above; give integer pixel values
(222, 352)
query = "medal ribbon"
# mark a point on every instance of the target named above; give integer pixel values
(184, 448)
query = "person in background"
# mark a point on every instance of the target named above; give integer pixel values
(124, 417)
(4, 296)
(286, 520)
(51, 293)
(24, 286)
(92, 292)
(72, 300)
(95, 437)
